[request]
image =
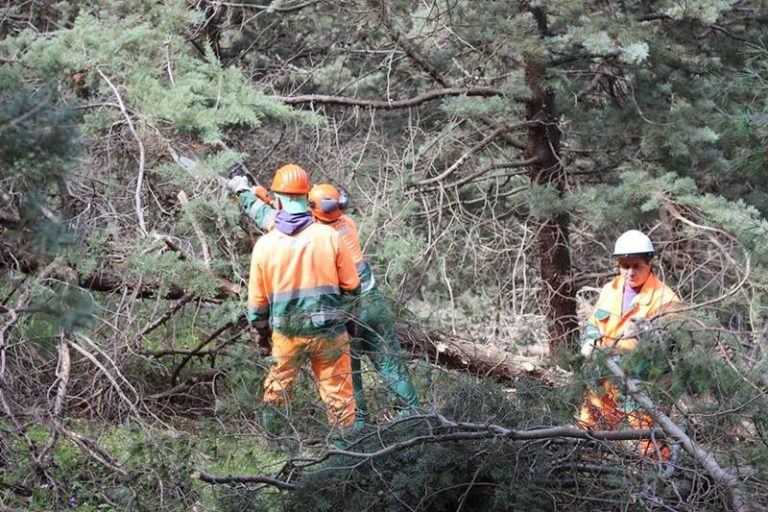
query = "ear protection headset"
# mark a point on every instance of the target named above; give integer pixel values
(331, 205)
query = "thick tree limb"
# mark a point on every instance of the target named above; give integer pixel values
(739, 501)
(466, 432)
(390, 105)
(242, 479)
(474, 432)
(457, 353)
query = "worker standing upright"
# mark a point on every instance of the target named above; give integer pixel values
(374, 332)
(300, 272)
(635, 293)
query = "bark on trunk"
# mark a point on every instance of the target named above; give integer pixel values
(457, 353)
(543, 143)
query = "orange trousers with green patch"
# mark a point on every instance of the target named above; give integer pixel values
(331, 369)
(602, 410)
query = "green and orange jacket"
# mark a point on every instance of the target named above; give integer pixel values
(298, 282)
(263, 215)
(606, 326)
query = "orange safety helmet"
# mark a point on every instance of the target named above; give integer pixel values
(326, 202)
(291, 179)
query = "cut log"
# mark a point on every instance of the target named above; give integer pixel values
(482, 360)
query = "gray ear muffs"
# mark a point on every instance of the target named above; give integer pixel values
(328, 205)
(331, 205)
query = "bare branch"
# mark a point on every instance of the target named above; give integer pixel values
(467, 155)
(705, 458)
(242, 479)
(142, 154)
(390, 105)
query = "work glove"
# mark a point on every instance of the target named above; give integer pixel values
(237, 184)
(263, 339)
(265, 344)
(587, 348)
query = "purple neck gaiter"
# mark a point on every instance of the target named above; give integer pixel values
(292, 223)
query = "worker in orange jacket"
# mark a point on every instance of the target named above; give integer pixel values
(374, 330)
(300, 272)
(635, 293)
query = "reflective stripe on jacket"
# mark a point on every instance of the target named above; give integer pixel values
(607, 324)
(262, 214)
(297, 281)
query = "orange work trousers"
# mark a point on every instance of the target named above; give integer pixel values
(331, 369)
(602, 411)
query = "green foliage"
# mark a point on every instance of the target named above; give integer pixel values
(38, 149)
(145, 53)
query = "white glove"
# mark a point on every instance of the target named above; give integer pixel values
(237, 184)
(587, 348)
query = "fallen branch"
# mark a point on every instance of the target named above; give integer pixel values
(94, 450)
(466, 432)
(242, 479)
(389, 105)
(739, 500)
(457, 353)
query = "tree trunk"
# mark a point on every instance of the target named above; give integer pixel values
(543, 142)
(488, 361)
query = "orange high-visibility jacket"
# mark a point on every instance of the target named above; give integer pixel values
(347, 229)
(263, 215)
(298, 280)
(606, 325)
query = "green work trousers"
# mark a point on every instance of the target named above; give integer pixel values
(376, 338)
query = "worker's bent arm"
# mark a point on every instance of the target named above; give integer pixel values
(262, 214)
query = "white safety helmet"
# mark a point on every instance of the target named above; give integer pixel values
(633, 243)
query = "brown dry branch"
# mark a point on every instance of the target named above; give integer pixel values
(388, 105)
(457, 353)
(242, 479)
(63, 370)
